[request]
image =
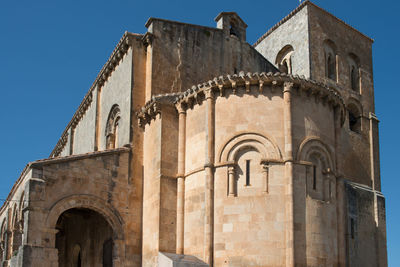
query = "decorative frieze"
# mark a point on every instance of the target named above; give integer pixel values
(264, 81)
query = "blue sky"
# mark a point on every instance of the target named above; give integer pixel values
(51, 52)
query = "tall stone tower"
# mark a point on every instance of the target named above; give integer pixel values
(317, 45)
(194, 147)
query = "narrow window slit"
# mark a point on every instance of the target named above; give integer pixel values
(247, 172)
(352, 228)
(314, 185)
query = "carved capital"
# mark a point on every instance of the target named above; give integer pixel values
(288, 86)
(209, 93)
(231, 169)
(181, 107)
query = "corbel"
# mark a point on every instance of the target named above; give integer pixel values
(147, 39)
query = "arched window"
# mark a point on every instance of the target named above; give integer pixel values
(112, 127)
(284, 59)
(2, 240)
(354, 116)
(247, 158)
(233, 29)
(330, 60)
(354, 71)
(320, 185)
(17, 231)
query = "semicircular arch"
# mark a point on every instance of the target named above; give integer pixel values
(264, 145)
(313, 145)
(86, 202)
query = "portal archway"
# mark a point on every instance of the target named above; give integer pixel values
(84, 238)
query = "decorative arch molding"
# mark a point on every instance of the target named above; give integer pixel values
(112, 125)
(264, 145)
(88, 202)
(356, 103)
(312, 145)
(284, 59)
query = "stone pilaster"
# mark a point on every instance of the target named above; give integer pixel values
(209, 181)
(231, 180)
(180, 221)
(287, 122)
(265, 171)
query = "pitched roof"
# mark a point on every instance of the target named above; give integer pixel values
(295, 11)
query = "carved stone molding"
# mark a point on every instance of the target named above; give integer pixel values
(153, 107)
(263, 81)
(219, 86)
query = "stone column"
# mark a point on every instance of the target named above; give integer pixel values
(180, 220)
(265, 171)
(287, 121)
(209, 181)
(231, 180)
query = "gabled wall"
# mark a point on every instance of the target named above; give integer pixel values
(294, 32)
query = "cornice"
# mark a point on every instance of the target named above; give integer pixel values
(264, 81)
(153, 107)
(116, 56)
(295, 11)
(38, 164)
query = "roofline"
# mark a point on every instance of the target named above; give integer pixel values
(296, 10)
(151, 19)
(101, 77)
(42, 162)
(244, 80)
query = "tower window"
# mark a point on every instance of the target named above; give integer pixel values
(354, 118)
(247, 172)
(354, 78)
(330, 60)
(354, 69)
(331, 67)
(284, 59)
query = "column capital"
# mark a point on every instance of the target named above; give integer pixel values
(288, 86)
(231, 169)
(373, 117)
(181, 108)
(209, 93)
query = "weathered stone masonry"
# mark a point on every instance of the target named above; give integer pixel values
(270, 158)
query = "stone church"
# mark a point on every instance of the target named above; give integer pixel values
(194, 147)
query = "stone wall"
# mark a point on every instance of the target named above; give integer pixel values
(117, 91)
(97, 182)
(196, 54)
(84, 132)
(294, 32)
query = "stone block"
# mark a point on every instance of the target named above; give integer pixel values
(175, 260)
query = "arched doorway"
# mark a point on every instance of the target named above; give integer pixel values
(84, 238)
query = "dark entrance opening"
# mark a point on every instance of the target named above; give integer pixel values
(84, 238)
